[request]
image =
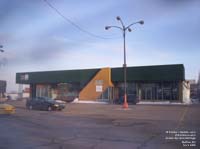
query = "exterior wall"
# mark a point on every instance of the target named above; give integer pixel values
(186, 92)
(141, 84)
(194, 91)
(25, 95)
(2, 88)
(180, 91)
(32, 90)
(13, 96)
(97, 85)
(26, 92)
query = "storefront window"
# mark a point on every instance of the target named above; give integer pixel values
(67, 92)
(159, 91)
(131, 91)
(43, 91)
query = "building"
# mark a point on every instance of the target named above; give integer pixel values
(26, 93)
(145, 83)
(193, 89)
(2, 88)
(198, 88)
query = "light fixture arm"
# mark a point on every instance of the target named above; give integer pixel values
(140, 22)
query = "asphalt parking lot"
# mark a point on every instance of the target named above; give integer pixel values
(101, 126)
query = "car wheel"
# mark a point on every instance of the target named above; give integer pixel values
(49, 108)
(30, 107)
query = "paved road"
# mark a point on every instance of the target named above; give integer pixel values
(95, 126)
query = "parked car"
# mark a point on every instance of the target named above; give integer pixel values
(6, 109)
(45, 103)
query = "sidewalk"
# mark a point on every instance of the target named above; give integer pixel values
(161, 103)
(92, 102)
(17, 103)
(139, 103)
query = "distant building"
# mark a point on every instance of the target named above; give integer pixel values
(2, 88)
(198, 87)
(144, 83)
(26, 93)
(193, 89)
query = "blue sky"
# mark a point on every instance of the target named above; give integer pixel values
(36, 38)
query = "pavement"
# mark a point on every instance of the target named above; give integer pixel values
(162, 103)
(101, 126)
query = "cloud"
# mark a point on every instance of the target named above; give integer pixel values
(3, 61)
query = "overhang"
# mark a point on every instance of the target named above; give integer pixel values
(175, 72)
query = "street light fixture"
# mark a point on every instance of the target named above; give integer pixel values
(124, 28)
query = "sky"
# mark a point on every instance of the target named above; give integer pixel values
(36, 37)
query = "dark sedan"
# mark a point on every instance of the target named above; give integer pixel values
(44, 103)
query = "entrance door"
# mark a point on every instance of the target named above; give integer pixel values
(148, 92)
(107, 95)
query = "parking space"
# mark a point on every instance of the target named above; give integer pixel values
(98, 126)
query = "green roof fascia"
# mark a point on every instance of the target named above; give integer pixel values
(65, 76)
(174, 72)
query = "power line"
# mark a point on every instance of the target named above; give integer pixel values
(72, 23)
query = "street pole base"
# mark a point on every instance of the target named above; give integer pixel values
(125, 105)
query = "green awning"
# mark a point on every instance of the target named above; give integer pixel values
(174, 72)
(150, 73)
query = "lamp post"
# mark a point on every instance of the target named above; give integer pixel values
(124, 28)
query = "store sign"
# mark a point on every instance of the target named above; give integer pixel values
(24, 77)
(99, 88)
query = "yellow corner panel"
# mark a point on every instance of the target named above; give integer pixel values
(98, 84)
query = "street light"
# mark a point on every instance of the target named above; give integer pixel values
(124, 28)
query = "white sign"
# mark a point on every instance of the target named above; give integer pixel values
(24, 77)
(99, 88)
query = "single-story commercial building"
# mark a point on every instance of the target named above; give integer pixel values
(2, 88)
(144, 83)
